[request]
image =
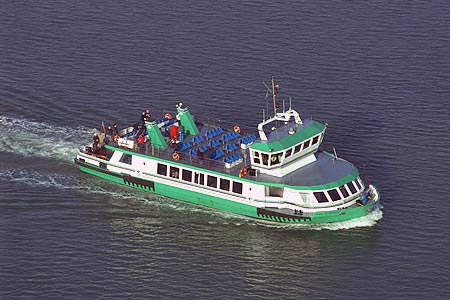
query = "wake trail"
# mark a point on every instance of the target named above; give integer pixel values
(39, 139)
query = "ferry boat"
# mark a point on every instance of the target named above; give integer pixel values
(278, 173)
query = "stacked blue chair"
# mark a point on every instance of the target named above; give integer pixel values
(247, 140)
(183, 146)
(233, 160)
(203, 148)
(214, 132)
(214, 143)
(198, 139)
(231, 147)
(216, 154)
(193, 152)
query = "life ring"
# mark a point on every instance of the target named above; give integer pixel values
(237, 129)
(243, 172)
(176, 156)
(168, 116)
(116, 137)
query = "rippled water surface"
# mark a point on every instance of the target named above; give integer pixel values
(377, 73)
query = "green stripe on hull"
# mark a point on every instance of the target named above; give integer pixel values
(227, 205)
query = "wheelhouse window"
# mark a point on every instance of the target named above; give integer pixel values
(199, 178)
(351, 187)
(343, 191)
(186, 175)
(162, 169)
(288, 153)
(275, 159)
(307, 144)
(334, 195)
(320, 196)
(126, 159)
(256, 158)
(298, 148)
(315, 140)
(265, 159)
(237, 187)
(212, 181)
(175, 172)
(224, 184)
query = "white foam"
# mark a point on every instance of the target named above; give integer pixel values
(39, 139)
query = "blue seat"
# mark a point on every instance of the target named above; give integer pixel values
(183, 146)
(193, 152)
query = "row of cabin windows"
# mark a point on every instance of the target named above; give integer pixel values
(346, 190)
(275, 158)
(199, 178)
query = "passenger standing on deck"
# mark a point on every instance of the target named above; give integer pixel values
(115, 130)
(143, 117)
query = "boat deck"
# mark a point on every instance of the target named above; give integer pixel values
(219, 150)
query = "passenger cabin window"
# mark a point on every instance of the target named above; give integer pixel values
(307, 144)
(187, 175)
(351, 187)
(343, 191)
(315, 140)
(199, 178)
(237, 187)
(126, 159)
(162, 169)
(256, 154)
(109, 154)
(256, 160)
(224, 184)
(265, 159)
(174, 172)
(273, 191)
(275, 159)
(288, 153)
(334, 195)
(320, 196)
(297, 148)
(212, 181)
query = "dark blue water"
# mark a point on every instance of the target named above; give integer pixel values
(377, 72)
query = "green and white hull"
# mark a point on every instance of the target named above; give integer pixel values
(247, 203)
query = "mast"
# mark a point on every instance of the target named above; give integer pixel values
(274, 94)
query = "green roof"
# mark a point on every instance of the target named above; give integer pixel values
(291, 140)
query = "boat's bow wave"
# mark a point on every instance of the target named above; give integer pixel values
(39, 139)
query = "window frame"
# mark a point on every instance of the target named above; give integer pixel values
(211, 183)
(174, 170)
(319, 199)
(223, 183)
(184, 172)
(332, 193)
(163, 173)
(237, 187)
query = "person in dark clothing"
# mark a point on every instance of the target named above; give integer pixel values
(115, 130)
(143, 116)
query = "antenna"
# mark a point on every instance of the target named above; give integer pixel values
(335, 154)
(283, 106)
(290, 103)
(274, 94)
(264, 116)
